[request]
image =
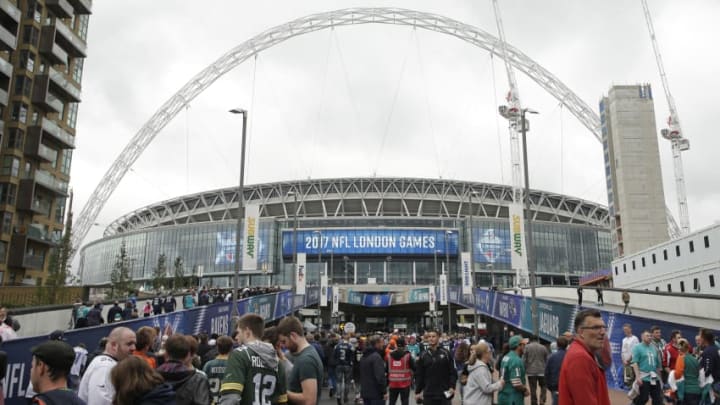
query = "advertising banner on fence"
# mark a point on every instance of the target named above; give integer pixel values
(467, 276)
(553, 318)
(484, 301)
(323, 290)
(283, 304)
(300, 274)
(517, 242)
(508, 308)
(443, 290)
(250, 237)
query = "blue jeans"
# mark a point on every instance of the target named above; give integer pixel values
(554, 395)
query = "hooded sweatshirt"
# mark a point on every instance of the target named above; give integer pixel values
(244, 365)
(191, 387)
(163, 394)
(479, 388)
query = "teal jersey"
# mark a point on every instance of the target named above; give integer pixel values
(512, 370)
(306, 365)
(215, 371)
(647, 358)
(248, 375)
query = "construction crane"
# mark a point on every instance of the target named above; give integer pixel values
(674, 132)
(513, 113)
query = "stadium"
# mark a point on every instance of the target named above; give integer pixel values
(385, 231)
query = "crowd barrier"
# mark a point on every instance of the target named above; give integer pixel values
(210, 319)
(555, 318)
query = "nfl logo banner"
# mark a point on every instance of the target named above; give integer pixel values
(250, 241)
(431, 298)
(443, 290)
(335, 300)
(323, 291)
(300, 274)
(467, 276)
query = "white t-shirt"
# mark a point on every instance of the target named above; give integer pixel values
(628, 343)
(95, 386)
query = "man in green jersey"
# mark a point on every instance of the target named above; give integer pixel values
(307, 372)
(646, 363)
(215, 368)
(512, 370)
(253, 374)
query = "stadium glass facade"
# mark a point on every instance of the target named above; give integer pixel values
(359, 236)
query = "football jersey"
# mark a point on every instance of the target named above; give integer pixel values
(247, 374)
(215, 371)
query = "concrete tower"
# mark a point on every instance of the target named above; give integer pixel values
(636, 199)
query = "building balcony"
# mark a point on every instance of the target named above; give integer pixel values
(46, 100)
(8, 39)
(61, 8)
(26, 261)
(9, 9)
(35, 148)
(82, 6)
(46, 180)
(66, 38)
(59, 84)
(27, 201)
(48, 48)
(50, 129)
(6, 68)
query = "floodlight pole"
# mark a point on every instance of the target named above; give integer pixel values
(240, 212)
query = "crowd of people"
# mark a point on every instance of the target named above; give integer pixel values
(285, 364)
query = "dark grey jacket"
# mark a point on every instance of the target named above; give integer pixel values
(373, 382)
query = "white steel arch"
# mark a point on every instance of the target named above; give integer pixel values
(304, 25)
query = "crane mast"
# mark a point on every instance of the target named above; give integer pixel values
(674, 132)
(516, 215)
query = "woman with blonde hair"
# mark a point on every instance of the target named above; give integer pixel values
(480, 388)
(136, 383)
(688, 368)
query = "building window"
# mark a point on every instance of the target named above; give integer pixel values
(642, 262)
(77, 70)
(657, 288)
(665, 254)
(653, 258)
(633, 264)
(23, 85)
(27, 61)
(624, 268)
(30, 35)
(83, 20)
(692, 246)
(19, 112)
(616, 272)
(682, 286)
(60, 210)
(16, 138)
(7, 193)
(3, 250)
(66, 161)
(7, 222)
(677, 250)
(10, 166)
(707, 241)
(669, 286)
(72, 112)
(712, 280)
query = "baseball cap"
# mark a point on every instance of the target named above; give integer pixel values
(516, 340)
(56, 354)
(57, 335)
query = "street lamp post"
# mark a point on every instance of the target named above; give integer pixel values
(240, 211)
(293, 193)
(447, 281)
(472, 262)
(528, 217)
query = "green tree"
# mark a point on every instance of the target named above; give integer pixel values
(58, 265)
(160, 273)
(120, 274)
(179, 274)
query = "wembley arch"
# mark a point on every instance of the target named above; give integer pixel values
(311, 23)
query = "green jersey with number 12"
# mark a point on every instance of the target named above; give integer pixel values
(254, 372)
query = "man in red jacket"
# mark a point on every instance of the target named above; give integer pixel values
(582, 380)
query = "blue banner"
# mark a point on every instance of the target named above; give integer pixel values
(377, 300)
(209, 319)
(508, 308)
(416, 242)
(491, 245)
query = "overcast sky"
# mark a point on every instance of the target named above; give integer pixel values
(383, 100)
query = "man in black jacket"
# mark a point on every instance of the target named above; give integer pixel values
(115, 313)
(373, 386)
(435, 375)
